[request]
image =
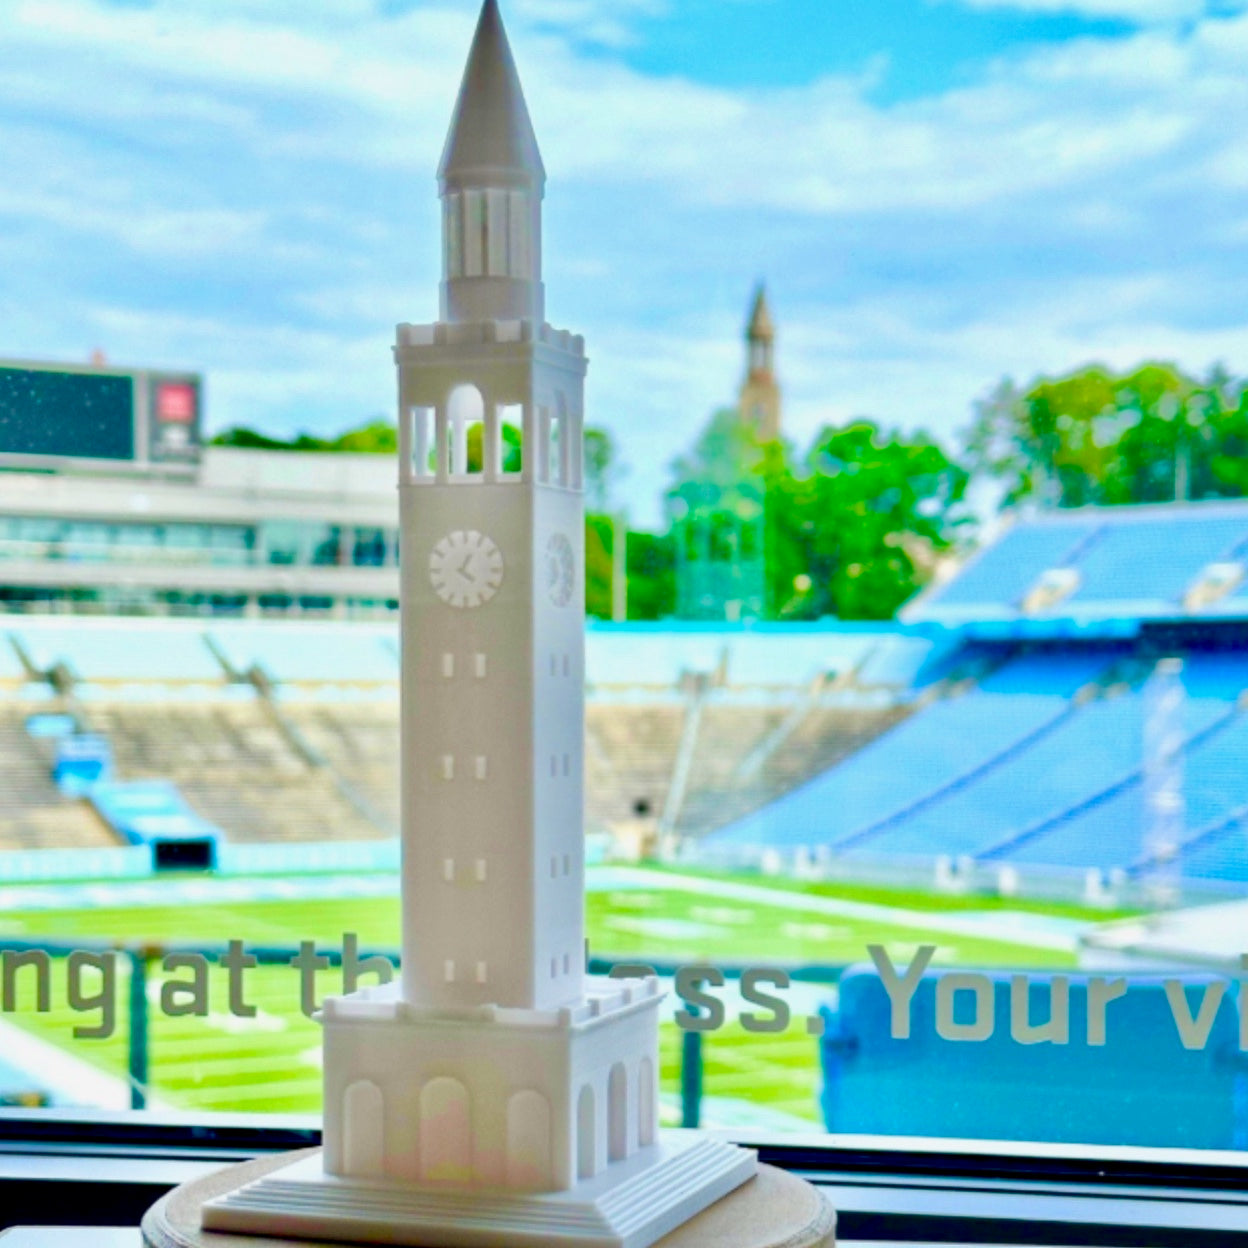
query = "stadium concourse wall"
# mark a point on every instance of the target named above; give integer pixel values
(134, 862)
(130, 656)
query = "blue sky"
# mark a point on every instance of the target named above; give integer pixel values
(909, 48)
(938, 192)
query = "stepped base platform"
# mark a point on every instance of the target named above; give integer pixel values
(656, 1198)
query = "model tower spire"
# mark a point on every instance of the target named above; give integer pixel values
(492, 181)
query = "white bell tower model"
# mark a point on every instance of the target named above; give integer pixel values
(495, 1095)
(493, 589)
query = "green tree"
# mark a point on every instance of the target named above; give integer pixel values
(512, 448)
(651, 576)
(375, 437)
(248, 439)
(718, 508)
(1095, 436)
(726, 453)
(379, 437)
(599, 541)
(856, 529)
(602, 469)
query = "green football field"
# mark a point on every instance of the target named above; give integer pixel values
(271, 1062)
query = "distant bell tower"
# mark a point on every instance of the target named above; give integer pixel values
(760, 392)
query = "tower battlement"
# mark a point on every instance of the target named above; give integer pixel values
(479, 333)
(603, 1000)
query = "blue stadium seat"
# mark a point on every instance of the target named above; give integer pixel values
(933, 748)
(1107, 826)
(1141, 1088)
(1132, 562)
(1058, 674)
(1115, 833)
(1220, 852)
(1154, 561)
(901, 766)
(999, 576)
(1095, 741)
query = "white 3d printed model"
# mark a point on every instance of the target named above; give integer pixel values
(496, 1096)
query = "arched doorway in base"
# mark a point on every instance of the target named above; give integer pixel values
(617, 1113)
(445, 1132)
(647, 1115)
(528, 1142)
(363, 1131)
(586, 1134)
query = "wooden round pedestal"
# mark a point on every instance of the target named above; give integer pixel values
(774, 1210)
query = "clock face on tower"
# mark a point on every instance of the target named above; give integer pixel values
(466, 569)
(560, 570)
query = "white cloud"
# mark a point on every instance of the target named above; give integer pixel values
(319, 370)
(608, 23)
(246, 186)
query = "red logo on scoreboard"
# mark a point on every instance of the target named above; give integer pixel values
(175, 403)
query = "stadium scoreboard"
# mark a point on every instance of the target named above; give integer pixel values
(57, 415)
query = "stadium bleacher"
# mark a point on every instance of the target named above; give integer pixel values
(952, 738)
(115, 652)
(34, 813)
(629, 756)
(309, 653)
(12, 671)
(359, 741)
(1042, 764)
(236, 767)
(1134, 562)
(1148, 565)
(1018, 811)
(1104, 826)
(994, 729)
(724, 786)
(998, 577)
(289, 732)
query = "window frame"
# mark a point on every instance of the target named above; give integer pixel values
(115, 1165)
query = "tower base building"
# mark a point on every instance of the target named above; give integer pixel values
(492, 1127)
